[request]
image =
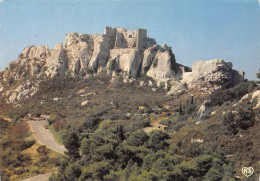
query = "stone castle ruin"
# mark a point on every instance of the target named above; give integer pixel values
(121, 38)
(117, 52)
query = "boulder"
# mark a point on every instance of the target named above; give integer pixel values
(196, 140)
(176, 88)
(150, 83)
(84, 103)
(141, 83)
(256, 96)
(154, 89)
(23, 94)
(12, 97)
(57, 99)
(245, 97)
(201, 114)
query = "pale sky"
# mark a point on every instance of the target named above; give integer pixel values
(195, 29)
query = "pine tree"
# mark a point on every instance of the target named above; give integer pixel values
(192, 100)
(258, 74)
(181, 112)
(71, 143)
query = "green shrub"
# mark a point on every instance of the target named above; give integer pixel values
(4, 175)
(43, 159)
(243, 119)
(71, 143)
(21, 144)
(73, 171)
(137, 138)
(42, 150)
(59, 124)
(112, 64)
(157, 140)
(21, 171)
(235, 93)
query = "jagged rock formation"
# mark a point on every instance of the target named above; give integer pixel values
(215, 71)
(24, 90)
(255, 96)
(135, 53)
(201, 114)
(117, 51)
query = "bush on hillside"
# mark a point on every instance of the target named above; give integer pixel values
(42, 150)
(20, 130)
(242, 119)
(235, 93)
(59, 124)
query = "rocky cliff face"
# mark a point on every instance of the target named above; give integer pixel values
(83, 53)
(115, 52)
(215, 71)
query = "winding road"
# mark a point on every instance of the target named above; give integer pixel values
(42, 177)
(44, 136)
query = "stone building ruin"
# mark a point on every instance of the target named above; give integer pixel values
(121, 38)
(119, 52)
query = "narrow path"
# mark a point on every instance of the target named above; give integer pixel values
(42, 177)
(44, 136)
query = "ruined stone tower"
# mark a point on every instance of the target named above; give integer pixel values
(121, 38)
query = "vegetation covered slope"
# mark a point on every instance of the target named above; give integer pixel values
(21, 157)
(105, 138)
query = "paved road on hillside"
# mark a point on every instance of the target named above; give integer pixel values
(44, 136)
(42, 177)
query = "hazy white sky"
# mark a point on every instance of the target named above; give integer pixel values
(195, 29)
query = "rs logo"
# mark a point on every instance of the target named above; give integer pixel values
(247, 171)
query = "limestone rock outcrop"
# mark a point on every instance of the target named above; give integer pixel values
(161, 67)
(136, 54)
(56, 62)
(149, 55)
(256, 97)
(129, 60)
(38, 52)
(215, 71)
(117, 52)
(177, 89)
(201, 114)
(23, 91)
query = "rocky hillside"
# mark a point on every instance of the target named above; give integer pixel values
(117, 52)
(126, 110)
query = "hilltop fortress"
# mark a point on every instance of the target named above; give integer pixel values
(121, 38)
(117, 52)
